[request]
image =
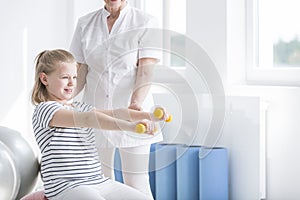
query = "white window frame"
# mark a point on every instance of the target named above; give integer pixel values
(260, 75)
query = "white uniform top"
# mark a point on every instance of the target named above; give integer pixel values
(112, 64)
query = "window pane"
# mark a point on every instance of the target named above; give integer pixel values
(178, 16)
(278, 33)
(171, 15)
(155, 8)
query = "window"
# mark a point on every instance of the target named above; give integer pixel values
(273, 42)
(171, 15)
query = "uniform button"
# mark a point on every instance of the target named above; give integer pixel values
(107, 96)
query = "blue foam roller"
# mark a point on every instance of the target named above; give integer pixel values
(213, 174)
(152, 169)
(187, 172)
(165, 171)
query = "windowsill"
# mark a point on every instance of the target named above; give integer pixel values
(273, 77)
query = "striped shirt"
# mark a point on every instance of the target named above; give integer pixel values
(69, 155)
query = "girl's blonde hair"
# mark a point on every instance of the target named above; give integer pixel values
(47, 62)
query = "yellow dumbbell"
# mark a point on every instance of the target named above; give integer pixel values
(159, 113)
(140, 128)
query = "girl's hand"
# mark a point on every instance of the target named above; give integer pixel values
(146, 126)
(160, 114)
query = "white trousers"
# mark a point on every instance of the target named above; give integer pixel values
(109, 190)
(135, 166)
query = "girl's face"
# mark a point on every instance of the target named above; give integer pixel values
(61, 83)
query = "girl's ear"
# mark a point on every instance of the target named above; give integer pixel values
(43, 78)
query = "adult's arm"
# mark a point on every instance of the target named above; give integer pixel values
(143, 82)
(91, 119)
(82, 71)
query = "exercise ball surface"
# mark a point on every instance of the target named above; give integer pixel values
(26, 161)
(9, 181)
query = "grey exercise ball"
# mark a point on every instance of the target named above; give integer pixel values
(10, 178)
(26, 161)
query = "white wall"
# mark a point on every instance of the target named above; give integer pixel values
(81, 8)
(27, 28)
(206, 25)
(282, 138)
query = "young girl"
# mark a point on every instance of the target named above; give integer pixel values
(64, 132)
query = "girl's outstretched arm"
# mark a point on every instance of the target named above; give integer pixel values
(95, 119)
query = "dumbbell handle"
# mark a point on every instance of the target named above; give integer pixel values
(141, 128)
(158, 113)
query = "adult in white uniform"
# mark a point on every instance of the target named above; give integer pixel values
(115, 67)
